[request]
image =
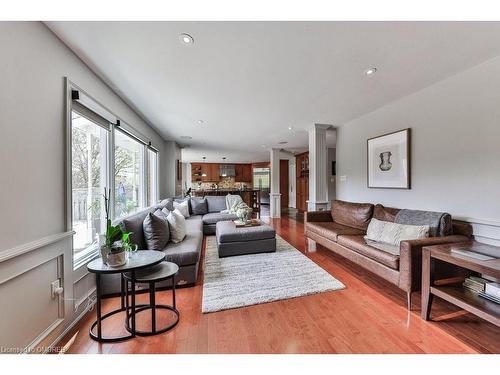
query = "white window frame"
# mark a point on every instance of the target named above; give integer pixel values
(156, 191)
(102, 112)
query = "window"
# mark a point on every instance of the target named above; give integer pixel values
(129, 174)
(104, 156)
(152, 178)
(89, 166)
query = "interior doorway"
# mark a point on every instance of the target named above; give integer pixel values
(284, 183)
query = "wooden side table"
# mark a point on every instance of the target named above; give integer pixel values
(456, 293)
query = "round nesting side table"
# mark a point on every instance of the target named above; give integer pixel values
(161, 272)
(137, 261)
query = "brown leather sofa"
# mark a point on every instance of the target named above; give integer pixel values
(342, 230)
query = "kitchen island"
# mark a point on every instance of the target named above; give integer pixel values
(250, 196)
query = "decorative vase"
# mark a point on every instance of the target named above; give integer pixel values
(244, 214)
(104, 253)
(117, 259)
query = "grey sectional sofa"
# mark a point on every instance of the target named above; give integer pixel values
(185, 254)
(207, 209)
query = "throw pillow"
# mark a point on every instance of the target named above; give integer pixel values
(177, 226)
(167, 203)
(199, 206)
(183, 208)
(393, 234)
(156, 230)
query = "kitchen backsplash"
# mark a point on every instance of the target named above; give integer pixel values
(224, 183)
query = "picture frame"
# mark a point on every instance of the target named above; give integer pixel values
(389, 160)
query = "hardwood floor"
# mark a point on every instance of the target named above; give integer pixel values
(369, 316)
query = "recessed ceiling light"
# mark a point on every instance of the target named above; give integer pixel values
(282, 143)
(186, 39)
(290, 128)
(186, 137)
(201, 122)
(263, 146)
(370, 71)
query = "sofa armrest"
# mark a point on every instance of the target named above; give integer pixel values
(410, 259)
(318, 216)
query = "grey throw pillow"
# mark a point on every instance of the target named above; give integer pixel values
(168, 203)
(156, 230)
(199, 206)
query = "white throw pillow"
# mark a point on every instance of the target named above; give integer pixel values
(392, 233)
(183, 208)
(177, 226)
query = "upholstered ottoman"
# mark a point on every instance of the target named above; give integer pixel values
(244, 240)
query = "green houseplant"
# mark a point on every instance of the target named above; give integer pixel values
(116, 241)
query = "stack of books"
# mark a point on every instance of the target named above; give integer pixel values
(483, 288)
(475, 284)
(491, 292)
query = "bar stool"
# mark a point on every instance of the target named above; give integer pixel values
(161, 272)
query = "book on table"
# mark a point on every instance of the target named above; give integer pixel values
(471, 254)
(493, 289)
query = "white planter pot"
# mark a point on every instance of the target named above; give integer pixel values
(117, 259)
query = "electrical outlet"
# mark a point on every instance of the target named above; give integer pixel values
(55, 288)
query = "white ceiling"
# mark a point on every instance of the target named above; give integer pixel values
(250, 81)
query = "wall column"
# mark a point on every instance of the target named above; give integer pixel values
(318, 154)
(275, 209)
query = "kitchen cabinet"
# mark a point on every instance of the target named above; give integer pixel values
(243, 173)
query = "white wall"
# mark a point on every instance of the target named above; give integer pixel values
(455, 149)
(173, 187)
(32, 188)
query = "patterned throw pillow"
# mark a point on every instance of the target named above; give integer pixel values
(393, 234)
(177, 226)
(183, 208)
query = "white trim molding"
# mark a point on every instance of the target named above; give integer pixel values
(34, 245)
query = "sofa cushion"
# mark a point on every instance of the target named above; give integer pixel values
(133, 224)
(356, 215)
(331, 230)
(156, 230)
(385, 213)
(216, 203)
(199, 206)
(180, 200)
(358, 244)
(186, 252)
(194, 224)
(215, 217)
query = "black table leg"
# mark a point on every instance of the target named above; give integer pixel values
(132, 311)
(122, 294)
(152, 302)
(173, 291)
(98, 304)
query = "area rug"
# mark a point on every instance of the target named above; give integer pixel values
(260, 278)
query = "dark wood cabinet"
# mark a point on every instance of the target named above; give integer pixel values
(196, 172)
(302, 175)
(243, 173)
(205, 172)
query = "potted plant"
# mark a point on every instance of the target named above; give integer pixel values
(116, 241)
